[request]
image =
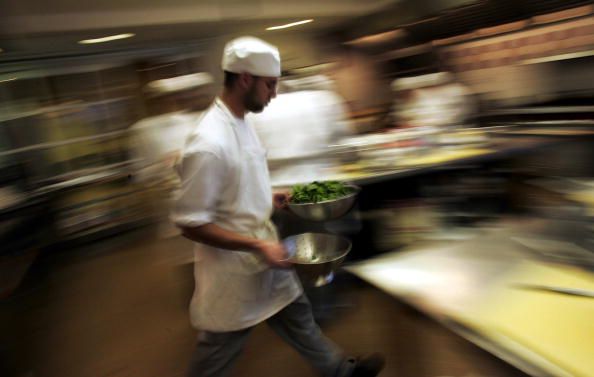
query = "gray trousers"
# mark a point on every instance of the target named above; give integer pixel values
(216, 353)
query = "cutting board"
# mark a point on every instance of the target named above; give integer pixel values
(547, 328)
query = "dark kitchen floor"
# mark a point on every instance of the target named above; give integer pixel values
(119, 309)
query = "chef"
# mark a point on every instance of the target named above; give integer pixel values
(313, 118)
(241, 273)
(175, 104)
(433, 100)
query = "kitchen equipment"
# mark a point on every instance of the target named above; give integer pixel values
(316, 256)
(328, 209)
(554, 289)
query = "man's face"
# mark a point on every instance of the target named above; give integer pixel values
(261, 91)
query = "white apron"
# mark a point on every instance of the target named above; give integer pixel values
(236, 289)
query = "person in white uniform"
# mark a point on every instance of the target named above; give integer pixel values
(312, 120)
(175, 105)
(156, 142)
(225, 202)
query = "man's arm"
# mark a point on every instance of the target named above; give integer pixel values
(213, 235)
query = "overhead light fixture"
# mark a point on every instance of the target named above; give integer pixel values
(379, 38)
(10, 79)
(290, 25)
(106, 39)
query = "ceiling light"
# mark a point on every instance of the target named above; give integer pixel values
(379, 38)
(289, 25)
(106, 39)
(10, 79)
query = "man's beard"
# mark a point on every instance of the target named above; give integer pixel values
(251, 103)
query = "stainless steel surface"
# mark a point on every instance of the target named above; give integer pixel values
(316, 256)
(553, 289)
(326, 210)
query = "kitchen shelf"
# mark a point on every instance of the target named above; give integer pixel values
(98, 178)
(542, 110)
(83, 172)
(98, 200)
(63, 107)
(104, 230)
(99, 137)
(11, 210)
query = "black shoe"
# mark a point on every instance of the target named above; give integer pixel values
(369, 366)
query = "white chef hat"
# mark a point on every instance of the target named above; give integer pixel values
(178, 84)
(251, 55)
(423, 81)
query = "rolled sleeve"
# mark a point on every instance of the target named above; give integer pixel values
(202, 182)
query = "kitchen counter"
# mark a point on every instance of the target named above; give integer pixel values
(502, 291)
(443, 158)
(499, 147)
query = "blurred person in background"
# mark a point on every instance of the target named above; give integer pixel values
(313, 117)
(299, 129)
(241, 273)
(175, 105)
(433, 100)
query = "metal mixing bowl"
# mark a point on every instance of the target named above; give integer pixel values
(328, 209)
(316, 256)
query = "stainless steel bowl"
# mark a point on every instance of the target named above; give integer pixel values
(316, 256)
(326, 210)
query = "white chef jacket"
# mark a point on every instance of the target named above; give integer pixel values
(225, 181)
(158, 142)
(311, 120)
(445, 105)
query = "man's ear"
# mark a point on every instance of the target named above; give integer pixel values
(245, 80)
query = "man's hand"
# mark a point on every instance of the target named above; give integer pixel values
(280, 199)
(274, 253)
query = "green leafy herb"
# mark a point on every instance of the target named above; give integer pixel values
(319, 191)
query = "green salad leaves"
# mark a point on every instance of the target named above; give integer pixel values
(319, 191)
